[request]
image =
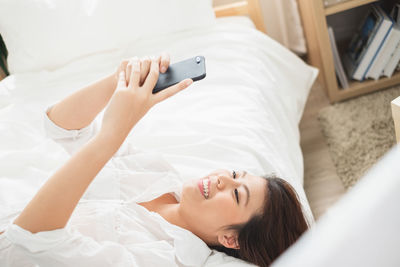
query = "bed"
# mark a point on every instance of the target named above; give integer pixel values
(243, 115)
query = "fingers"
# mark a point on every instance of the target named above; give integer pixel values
(128, 71)
(122, 67)
(164, 62)
(147, 69)
(172, 90)
(121, 80)
(146, 62)
(134, 78)
(152, 77)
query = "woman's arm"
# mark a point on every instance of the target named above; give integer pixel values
(80, 108)
(53, 205)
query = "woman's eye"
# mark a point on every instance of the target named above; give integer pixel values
(237, 195)
(236, 191)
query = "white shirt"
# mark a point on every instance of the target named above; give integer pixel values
(108, 228)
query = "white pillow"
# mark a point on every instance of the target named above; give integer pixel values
(46, 34)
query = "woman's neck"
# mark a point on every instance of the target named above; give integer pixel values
(168, 208)
(170, 212)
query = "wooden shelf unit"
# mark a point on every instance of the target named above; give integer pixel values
(345, 6)
(320, 55)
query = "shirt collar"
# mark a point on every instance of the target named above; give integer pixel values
(190, 249)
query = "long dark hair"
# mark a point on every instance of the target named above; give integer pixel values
(265, 236)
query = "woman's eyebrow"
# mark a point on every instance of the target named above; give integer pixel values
(244, 173)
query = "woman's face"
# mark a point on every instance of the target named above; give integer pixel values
(222, 198)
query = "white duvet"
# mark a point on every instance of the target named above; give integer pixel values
(244, 115)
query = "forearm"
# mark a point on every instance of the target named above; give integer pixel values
(79, 109)
(54, 203)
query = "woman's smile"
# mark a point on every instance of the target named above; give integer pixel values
(223, 199)
(204, 187)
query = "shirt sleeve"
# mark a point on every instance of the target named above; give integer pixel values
(73, 140)
(65, 247)
(70, 140)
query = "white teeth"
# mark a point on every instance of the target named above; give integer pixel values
(205, 188)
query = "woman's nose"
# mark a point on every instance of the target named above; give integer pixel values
(225, 181)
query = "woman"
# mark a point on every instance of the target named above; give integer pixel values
(169, 222)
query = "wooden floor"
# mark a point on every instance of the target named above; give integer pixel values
(322, 185)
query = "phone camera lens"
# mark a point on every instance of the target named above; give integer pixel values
(198, 59)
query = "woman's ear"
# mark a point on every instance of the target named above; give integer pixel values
(229, 240)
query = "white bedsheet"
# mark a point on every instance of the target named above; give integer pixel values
(243, 115)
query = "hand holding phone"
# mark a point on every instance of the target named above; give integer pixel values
(132, 100)
(193, 68)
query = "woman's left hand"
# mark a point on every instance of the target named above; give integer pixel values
(131, 101)
(163, 61)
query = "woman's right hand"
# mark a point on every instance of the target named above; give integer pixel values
(132, 100)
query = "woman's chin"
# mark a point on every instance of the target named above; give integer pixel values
(191, 191)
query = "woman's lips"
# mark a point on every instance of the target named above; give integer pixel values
(200, 185)
(201, 188)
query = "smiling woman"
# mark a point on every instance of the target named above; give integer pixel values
(172, 222)
(225, 204)
(212, 204)
(272, 228)
(243, 215)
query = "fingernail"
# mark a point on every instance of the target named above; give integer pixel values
(189, 82)
(163, 69)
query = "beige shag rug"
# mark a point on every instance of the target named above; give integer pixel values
(359, 132)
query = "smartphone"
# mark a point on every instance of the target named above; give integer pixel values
(193, 68)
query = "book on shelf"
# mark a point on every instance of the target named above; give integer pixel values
(385, 53)
(394, 56)
(366, 44)
(391, 65)
(340, 73)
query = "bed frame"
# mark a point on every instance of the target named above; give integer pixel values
(251, 8)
